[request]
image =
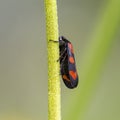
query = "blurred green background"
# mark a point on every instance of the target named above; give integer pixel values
(93, 26)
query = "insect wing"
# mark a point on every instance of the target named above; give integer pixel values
(72, 66)
(67, 63)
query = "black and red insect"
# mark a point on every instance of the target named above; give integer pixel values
(67, 63)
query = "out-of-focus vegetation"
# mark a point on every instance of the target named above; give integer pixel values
(93, 26)
(96, 55)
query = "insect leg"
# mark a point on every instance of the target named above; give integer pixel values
(61, 56)
(62, 62)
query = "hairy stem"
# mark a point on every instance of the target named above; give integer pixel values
(54, 112)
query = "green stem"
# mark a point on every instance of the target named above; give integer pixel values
(54, 112)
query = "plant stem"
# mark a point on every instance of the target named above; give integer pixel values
(54, 112)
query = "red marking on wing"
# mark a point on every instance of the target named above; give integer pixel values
(73, 74)
(71, 60)
(70, 47)
(66, 78)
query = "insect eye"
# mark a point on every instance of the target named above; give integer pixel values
(60, 38)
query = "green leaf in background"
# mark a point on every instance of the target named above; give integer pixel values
(96, 54)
